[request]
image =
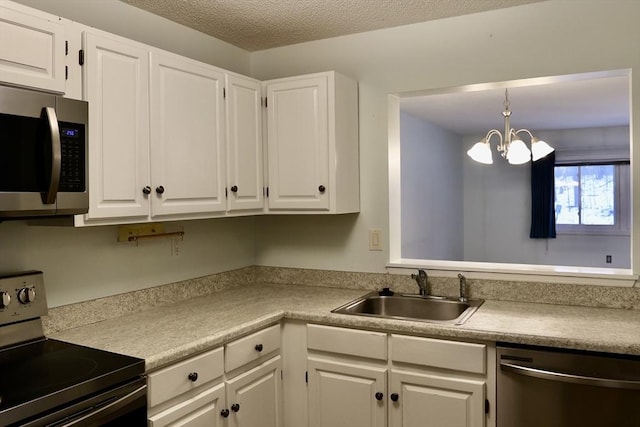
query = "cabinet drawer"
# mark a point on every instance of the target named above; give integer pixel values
(177, 379)
(347, 341)
(252, 347)
(201, 410)
(459, 356)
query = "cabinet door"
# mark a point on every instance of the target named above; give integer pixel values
(426, 400)
(116, 84)
(255, 397)
(187, 157)
(244, 144)
(31, 51)
(202, 410)
(343, 394)
(298, 144)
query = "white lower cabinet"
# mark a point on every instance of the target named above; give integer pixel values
(435, 400)
(346, 393)
(199, 391)
(201, 410)
(372, 379)
(255, 397)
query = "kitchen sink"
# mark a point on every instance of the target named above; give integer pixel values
(412, 307)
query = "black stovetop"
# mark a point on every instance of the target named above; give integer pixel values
(41, 375)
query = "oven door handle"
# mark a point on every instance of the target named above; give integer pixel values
(569, 378)
(111, 408)
(49, 197)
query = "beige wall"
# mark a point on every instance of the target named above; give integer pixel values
(542, 39)
(556, 37)
(86, 263)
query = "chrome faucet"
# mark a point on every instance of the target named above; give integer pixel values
(421, 279)
(463, 287)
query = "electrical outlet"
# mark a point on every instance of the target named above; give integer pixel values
(608, 259)
(375, 239)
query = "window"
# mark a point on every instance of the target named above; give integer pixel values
(592, 198)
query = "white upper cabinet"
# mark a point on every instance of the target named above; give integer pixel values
(32, 50)
(156, 138)
(244, 144)
(116, 85)
(312, 144)
(187, 150)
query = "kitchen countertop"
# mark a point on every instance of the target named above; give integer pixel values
(165, 334)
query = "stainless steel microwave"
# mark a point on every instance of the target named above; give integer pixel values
(43, 154)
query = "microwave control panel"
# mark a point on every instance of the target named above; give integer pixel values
(73, 147)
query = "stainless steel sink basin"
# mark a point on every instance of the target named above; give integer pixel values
(412, 307)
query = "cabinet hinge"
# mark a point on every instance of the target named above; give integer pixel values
(282, 375)
(224, 93)
(306, 377)
(66, 47)
(81, 57)
(266, 101)
(486, 406)
(266, 192)
(226, 193)
(66, 72)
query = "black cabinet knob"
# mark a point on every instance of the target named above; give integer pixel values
(379, 396)
(193, 376)
(234, 189)
(259, 347)
(146, 190)
(394, 397)
(321, 189)
(224, 413)
(235, 407)
(160, 189)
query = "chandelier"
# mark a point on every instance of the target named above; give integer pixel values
(510, 145)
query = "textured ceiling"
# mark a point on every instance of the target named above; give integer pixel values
(262, 24)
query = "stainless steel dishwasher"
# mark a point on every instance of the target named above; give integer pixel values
(544, 387)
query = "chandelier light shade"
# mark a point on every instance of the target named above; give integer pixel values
(510, 145)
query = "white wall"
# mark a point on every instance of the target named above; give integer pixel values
(548, 38)
(432, 191)
(87, 263)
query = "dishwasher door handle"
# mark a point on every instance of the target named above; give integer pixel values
(569, 378)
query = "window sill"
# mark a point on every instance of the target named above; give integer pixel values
(518, 272)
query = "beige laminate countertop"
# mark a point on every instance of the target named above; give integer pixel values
(165, 334)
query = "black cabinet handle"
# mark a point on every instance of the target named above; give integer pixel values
(379, 396)
(193, 376)
(234, 189)
(394, 397)
(146, 190)
(160, 189)
(321, 189)
(224, 413)
(258, 348)
(235, 407)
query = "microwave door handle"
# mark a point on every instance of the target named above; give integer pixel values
(569, 378)
(49, 197)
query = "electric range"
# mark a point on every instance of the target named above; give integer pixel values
(47, 382)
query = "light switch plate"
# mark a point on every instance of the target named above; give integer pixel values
(375, 239)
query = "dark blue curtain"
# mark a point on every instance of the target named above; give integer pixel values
(543, 219)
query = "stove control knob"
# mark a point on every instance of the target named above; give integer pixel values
(26, 295)
(5, 299)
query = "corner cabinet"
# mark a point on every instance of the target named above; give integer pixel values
(32, 49)
(245, 176)
(312, 144)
